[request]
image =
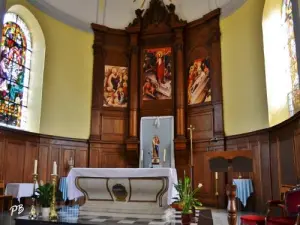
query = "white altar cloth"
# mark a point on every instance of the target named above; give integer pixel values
(74, 193)
(19, 190)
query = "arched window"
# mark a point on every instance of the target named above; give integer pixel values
(15, 65)
(281, 62)
(291, 65)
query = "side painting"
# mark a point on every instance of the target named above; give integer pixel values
(115, 86)
(157, 69)
(199, 89)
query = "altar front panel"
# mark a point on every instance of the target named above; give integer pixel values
(126, 189)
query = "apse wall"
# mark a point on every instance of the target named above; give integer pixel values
(243, 74)
(67, 87)
(66, 100)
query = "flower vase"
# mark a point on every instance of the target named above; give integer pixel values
(186, 218)
(45, 212)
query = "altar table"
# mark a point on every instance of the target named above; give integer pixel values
(123, 190)
(19, 190)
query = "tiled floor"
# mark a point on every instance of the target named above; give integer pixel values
(219, 218)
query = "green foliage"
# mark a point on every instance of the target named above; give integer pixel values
(186, 195)
(44, 195)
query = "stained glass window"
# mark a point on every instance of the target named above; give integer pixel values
(14, 71)
(291, 68)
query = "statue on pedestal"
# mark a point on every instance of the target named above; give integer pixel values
(155, 150)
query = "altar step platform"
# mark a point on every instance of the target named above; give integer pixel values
(71, 215)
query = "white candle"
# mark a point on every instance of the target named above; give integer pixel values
(216, 175)
(54, 172)
(142, 156)
(164, 155)
(35, 167)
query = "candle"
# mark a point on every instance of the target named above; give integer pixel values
(35, 167)
(142, 156)
(164, 155)
(216, 175)
(54, 172)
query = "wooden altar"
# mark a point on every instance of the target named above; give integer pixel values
(115, 125)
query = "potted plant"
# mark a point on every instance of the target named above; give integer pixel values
(186, 199)
(43, 195)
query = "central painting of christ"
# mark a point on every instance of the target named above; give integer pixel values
(157, 69)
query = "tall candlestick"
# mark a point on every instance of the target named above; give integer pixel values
(35, 167)
(33, 213)
(216, 175)
(165, 151)
(53, 214)
(191, 129)
(54, 171)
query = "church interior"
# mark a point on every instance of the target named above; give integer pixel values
(150, 112)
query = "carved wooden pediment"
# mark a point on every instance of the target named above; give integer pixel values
(157, 18)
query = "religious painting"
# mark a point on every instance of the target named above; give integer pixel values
(199, 89)
(157, 69)
(115, 86)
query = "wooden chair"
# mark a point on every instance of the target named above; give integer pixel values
(290, 208)
(3, 197)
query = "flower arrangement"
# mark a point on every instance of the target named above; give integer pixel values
(186, 195)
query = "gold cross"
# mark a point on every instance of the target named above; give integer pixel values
(191, 128)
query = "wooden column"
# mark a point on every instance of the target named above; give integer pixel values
(133, 111)
(132, 143)
(217, 99)
(180, 141)
(98, 79)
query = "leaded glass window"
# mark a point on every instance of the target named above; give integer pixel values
(291, 68)
(14, 71)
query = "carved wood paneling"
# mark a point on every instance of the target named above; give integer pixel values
(202, 119)
(107, 155)
(276, 158)
(19, 149)
(297, 152)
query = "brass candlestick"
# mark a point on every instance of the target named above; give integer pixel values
(53, 214)
(33, 214)
(191, 129)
